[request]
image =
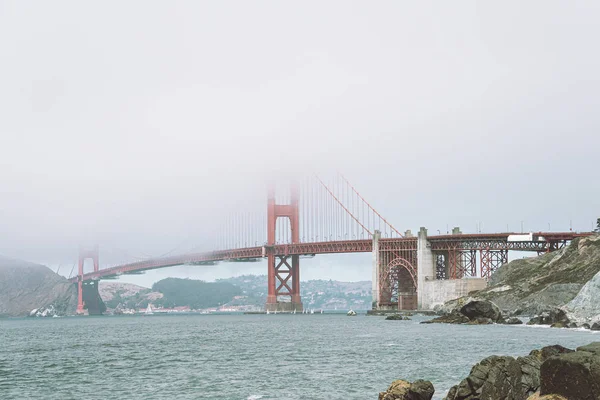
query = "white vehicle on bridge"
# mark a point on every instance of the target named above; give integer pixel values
(528, 237)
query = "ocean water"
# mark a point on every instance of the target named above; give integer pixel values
(242, 357)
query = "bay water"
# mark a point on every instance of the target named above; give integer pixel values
(247, 357)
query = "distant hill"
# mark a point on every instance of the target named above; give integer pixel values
(318, 294)
(25, 286)
(126, 294)
(247, 290)
(195, 294)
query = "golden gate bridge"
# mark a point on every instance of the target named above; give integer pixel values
(313, 217)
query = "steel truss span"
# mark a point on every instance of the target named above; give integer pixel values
(456, 243)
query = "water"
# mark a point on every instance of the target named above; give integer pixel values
(241, 357)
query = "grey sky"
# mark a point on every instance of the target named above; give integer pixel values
(137, 125)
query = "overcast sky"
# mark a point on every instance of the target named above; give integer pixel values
(138, 125)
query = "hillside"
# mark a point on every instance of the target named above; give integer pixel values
(318, 294)
(126, 294)
(195, 294)
(26, 286)
(532, 285)
(247, 290)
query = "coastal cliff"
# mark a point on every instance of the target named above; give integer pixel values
(534, 285)
(27, 286)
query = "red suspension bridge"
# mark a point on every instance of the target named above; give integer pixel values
(313, 217)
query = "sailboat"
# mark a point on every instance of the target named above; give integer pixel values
(294, 311)
(321, 311)
(312, 311)
(268, 312)
(149, 310)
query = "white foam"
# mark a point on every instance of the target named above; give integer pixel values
(254, 397)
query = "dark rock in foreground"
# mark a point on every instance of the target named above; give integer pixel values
(403, 390)
(496, 378)
(550, 373)
(574, 375)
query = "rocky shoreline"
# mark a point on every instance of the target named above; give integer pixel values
(552, 372)
(472, 311)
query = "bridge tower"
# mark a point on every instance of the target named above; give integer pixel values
(283, 271)
(85, 254)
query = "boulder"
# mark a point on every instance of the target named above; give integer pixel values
(585, 326)
(574, 375)
(505, 377)
(396, 317)
(550, 351)
(513, 321)
(482, 309)
(404, 390)
(493, 378)
(452, 318)
(537, 396)
(555, 315)
(421, 390)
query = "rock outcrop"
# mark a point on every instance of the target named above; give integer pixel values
(555, 316)
(482, 309)
(26, 286)
(470, 311)
(531, 286)
(397, 317)
(496, 377)
(404, 390)
(550, 373)
(513, 321)
(574, 375)
(585, 307)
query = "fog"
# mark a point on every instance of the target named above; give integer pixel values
(140, 125)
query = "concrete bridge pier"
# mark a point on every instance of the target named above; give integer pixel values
(92, 302)
(425, 266)
(376, 271)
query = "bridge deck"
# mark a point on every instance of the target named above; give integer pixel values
(493, 241)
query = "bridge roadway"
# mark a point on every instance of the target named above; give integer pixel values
(493, 241)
